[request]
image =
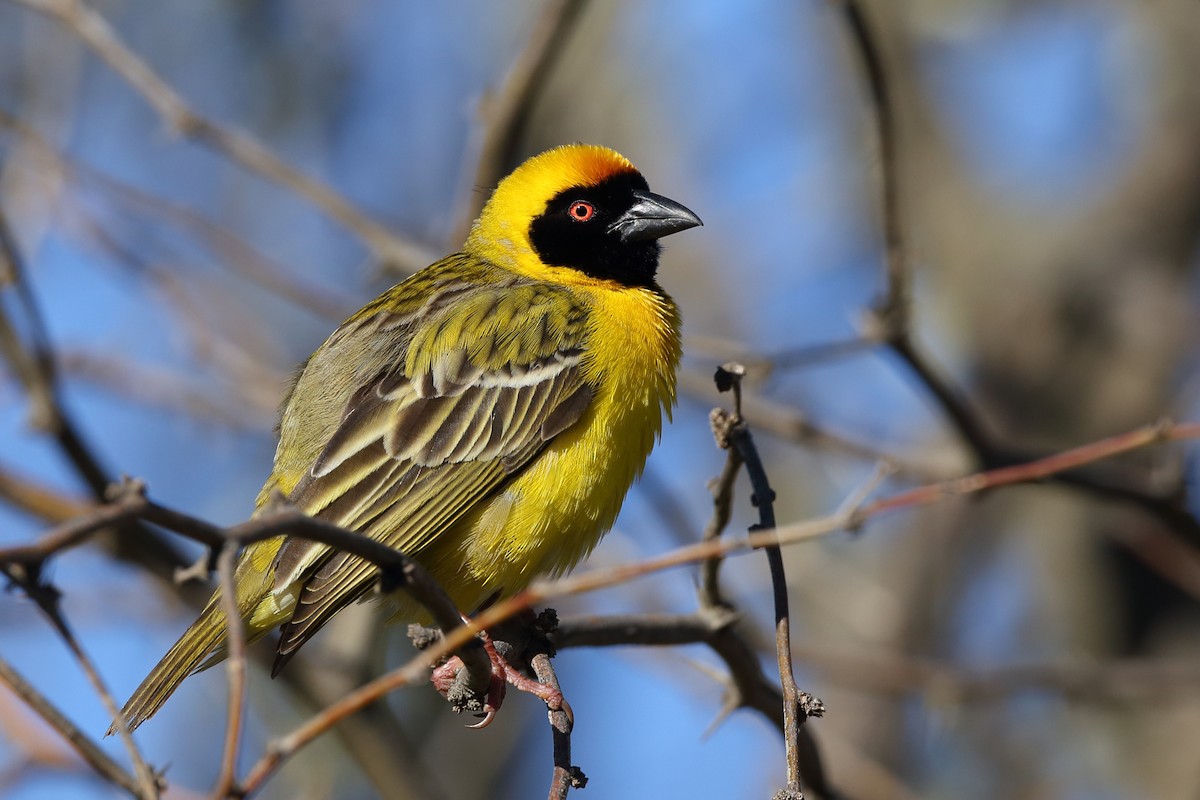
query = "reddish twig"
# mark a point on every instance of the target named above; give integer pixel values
(540, 592)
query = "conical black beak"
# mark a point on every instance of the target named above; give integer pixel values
(652, 216)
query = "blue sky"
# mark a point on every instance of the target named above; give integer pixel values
(746, 112)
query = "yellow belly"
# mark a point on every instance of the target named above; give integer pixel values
(556, 510)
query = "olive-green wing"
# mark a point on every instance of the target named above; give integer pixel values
(497, 376)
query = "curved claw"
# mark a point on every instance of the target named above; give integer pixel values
(483, 723)
(565, 707)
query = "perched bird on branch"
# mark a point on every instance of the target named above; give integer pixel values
(485, 416)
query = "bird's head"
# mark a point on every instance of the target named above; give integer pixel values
(578, 213)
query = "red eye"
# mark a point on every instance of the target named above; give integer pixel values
(581, 211)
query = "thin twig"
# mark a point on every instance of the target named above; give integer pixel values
(566, 776)
(235, 669)
(893, 316)
(540, 592)
(238, 146)
(232, 251)
(504, 116)
(722, 494)
(797, 705)
(47, 598)
(35, 365)
(96, 758)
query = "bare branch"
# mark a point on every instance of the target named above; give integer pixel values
(235, 669)
(797, 705)
(847, 518)
(566, 776)
(39, 500)
(89, 750)
(233, 251)
(504, 116)
(238, 146)
(46, 597)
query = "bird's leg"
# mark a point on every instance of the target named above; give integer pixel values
(446, 677)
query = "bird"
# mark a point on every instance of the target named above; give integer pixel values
(486, 416)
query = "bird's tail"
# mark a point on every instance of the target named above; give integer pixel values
(205, 639)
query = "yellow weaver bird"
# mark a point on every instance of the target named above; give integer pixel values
(485, 416)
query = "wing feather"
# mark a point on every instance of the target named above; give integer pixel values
(425, 441)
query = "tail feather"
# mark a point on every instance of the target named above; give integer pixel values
(205, 639)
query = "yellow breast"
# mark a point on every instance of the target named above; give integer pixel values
(556, 511)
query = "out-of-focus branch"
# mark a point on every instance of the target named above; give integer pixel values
(235, 668)
(29, 579)
(35, 365)
(39, 500)
(1107, 680)
(167, 389)
(889, 672)
(850, 517)
(504, 115)
(91, 753)
(238, 146)
(893, 312)
(232, 251)
(792, 425)
(894, 320)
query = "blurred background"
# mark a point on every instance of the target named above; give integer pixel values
(1037, 642)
